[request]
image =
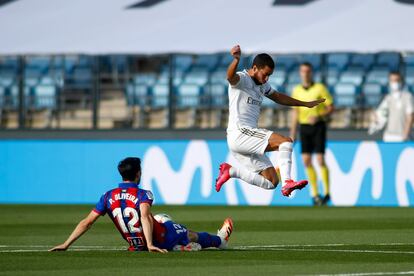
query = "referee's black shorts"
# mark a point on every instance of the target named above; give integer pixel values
(313, 137)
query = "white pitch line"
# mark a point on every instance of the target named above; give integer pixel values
(370, 273)
(276, 247)
(324, 250)
(325, 245)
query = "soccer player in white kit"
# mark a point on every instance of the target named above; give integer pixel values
(248, 143)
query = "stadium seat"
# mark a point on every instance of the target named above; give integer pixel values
(2, 96)
(196, 77)
(183, 62)
(411, 88)
(352, 76)
(164, 78)
(314, 59)
(373, 93)
(209, 62)
(41, 62)
(145, 78)
(226, 59)
(12, 96)
(346, 95)
(409, 75)
(391, 60)
(278, 78)
(45, 97)
(294, 77)
(219, 76)
(82, 78)
(9, 61)
(268, 103)
(338, 60)
(137, 94)
(286, 62)
(218, 94)
(363, 60)
(409, 60)
(317, 76)
(6, 80)
(159, 96)
(378, 75)
(48, 80)
(69, 63)
(189, 95)
(289, 88)
(33, 72)
(332, 76)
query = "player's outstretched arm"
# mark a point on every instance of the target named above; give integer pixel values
(83, 226)
(232, 77)
(147, 227)
(289, 101)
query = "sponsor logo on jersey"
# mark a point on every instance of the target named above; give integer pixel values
(250, 100)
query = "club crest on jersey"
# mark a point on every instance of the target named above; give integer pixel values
(250, 100)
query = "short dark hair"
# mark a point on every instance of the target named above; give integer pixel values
(262, 60)
(307, 64)
(395, 73)
(129, 168)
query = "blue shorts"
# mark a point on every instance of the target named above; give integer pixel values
(176, 234)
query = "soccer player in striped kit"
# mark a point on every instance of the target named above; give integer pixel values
(129, 207)
(248, 143)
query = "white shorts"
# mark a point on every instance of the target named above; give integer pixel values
(248, 146)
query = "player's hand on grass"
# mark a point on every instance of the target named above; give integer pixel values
(61, 247)
(152, 248)
(236, 52)
(314, 103)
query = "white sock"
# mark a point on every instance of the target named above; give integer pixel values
(285, 161)
(251, 178)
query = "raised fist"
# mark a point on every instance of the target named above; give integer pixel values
(236, 51)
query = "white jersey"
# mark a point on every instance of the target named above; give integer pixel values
(245, 100)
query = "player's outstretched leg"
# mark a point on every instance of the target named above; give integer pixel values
(285, 147)
(206, 240)
(227, 171)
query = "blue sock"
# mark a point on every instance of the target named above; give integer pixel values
(207, 240)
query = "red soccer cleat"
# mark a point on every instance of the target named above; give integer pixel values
(292, 185)
(224, 175)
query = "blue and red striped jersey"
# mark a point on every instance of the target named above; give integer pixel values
(122, 206)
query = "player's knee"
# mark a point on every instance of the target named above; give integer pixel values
(274, 181)
(192, 236)
(288, 139)
(321, 160)
(307, 163)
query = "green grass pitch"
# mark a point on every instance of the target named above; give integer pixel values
(266, 241)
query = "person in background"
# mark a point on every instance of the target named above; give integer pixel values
(395, 112)
(312, 125)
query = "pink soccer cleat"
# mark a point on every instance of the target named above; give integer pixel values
(224, 175)
(292, 185)
(225, 232)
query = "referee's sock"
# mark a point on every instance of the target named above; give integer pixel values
(325, 179)
(313, 180)
(251, 178)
